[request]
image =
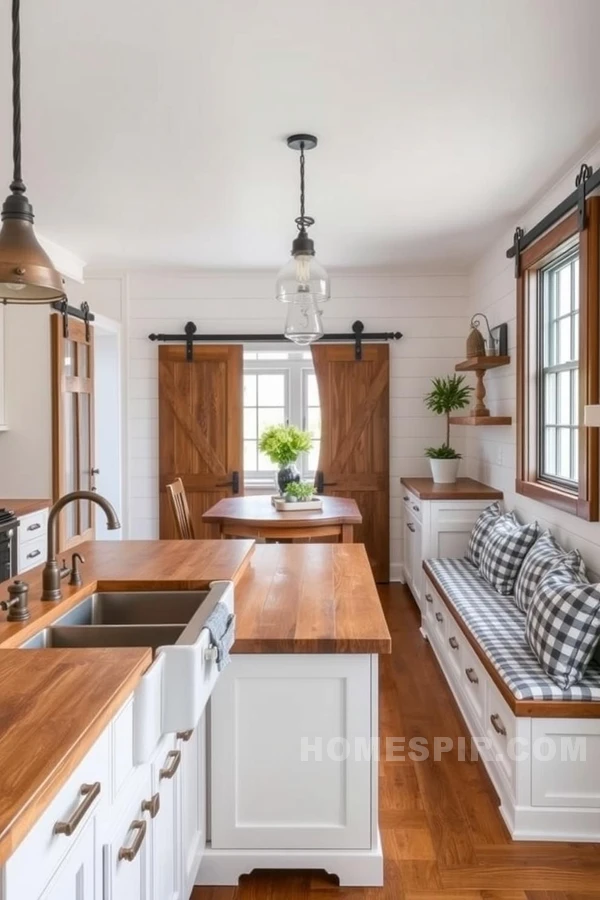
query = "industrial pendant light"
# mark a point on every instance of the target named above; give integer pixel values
(27, 274)
(303, 282)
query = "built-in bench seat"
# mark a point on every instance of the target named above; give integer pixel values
(539, 743)
(498, 627)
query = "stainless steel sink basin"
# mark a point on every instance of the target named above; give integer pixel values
(126, 619)
(104, 636)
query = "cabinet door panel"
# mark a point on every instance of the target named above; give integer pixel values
(129, 879)
(166, 829)
(193, 804)
(75, 878)
(267, 793)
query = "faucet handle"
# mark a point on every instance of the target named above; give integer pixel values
(75, 578)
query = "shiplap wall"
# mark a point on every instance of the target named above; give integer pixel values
(428, 309)
(491, 451)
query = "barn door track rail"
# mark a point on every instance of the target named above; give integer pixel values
(190, 337)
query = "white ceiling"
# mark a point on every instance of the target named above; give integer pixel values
(154, 130)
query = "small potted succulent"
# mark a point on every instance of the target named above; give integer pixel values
(448, 394)
(283, 444)
(299, 492)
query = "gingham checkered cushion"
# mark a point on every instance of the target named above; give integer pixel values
(505, 548)
(482, 527)
(563, 623)
(499, 629)
(543, 556)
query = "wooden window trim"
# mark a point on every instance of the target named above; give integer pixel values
(584, 504)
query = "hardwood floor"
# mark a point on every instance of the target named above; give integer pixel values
(442, 833)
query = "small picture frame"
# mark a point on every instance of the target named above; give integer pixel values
(500, 336)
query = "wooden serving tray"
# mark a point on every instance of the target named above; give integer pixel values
(282, 505)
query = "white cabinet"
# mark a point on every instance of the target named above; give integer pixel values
(32, 540)
(293, 779)
(434, 528)
(166, 821)
(193, 803)
(126, 852)
(76, 877)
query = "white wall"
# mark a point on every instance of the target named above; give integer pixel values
(491, 451)
(428, 309)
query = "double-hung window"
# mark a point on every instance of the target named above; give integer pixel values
(280, 388)
(558, 366)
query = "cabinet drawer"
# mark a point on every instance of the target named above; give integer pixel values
(33, 526)
(37, 857)
(412, 506)
(473, 680)
(31, 553)
(500, 729)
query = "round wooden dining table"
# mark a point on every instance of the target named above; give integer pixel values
(256, 517)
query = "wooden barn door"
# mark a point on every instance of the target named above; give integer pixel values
(355, 442)
(200, 429)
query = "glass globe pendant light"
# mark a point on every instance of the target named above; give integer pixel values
(303, 282)
(27, 274)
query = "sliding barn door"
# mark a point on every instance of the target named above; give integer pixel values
(73, 425)
(355, 443)
(200, 429)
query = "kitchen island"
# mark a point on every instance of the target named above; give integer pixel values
(310, 627)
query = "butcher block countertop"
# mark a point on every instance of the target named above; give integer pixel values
(309, 598)
(24, 507)
(462, 489)
(54, 704)
(133, 566)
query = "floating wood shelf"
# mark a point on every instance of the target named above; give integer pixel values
(480, 420)
(479, 363)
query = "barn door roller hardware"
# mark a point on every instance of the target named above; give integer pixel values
(587, 181)
(190, 337)
(83, 313)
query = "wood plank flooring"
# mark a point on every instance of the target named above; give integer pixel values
(442, 833)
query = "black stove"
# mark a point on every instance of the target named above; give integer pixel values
(9, 525)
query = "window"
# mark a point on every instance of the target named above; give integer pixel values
(280, 387)
(559, 371)
(557, 366)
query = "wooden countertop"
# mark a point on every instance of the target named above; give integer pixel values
(53, 705)
(463, 489)
(260, 511)
(24, 507)
(131, 565)
(309, 598)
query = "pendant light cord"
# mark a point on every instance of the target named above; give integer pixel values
(303, 221)
(17, 183)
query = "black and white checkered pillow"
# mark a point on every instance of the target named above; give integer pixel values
(544, 555)
(482, 527)
(506, 547)
(563, 623)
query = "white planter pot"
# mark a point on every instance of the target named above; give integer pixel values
(444, 471)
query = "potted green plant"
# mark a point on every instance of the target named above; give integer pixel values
(299, 491)
(283, 444)
(448, 394)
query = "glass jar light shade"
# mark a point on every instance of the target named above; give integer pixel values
(303, 323)
(303, 274)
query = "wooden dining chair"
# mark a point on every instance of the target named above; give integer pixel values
(181, 510)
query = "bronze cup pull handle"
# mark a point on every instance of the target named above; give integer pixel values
(89, 792)
(498, 724)
(130, 853)
(185, 735)
(439, 617)
(429, 598)
(470, 673)
(169, 771)
(152, 805)
(453, 643)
